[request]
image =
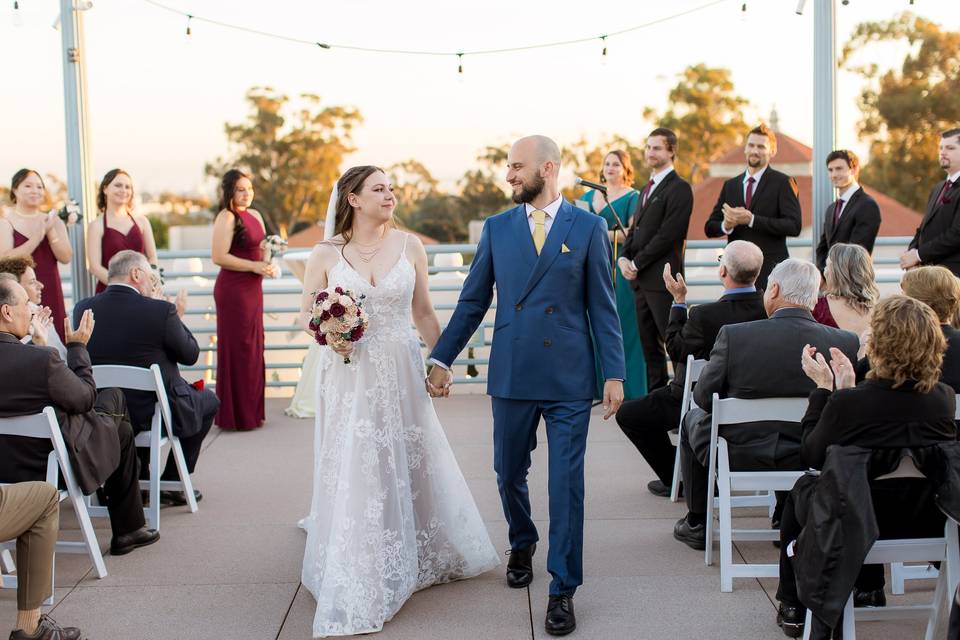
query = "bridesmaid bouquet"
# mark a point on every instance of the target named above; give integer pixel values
(274, 246)
(338, 318)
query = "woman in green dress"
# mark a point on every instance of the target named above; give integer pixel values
(617, 174)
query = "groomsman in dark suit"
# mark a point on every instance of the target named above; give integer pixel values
(937, 241)
(854, 218)
(137, 330)
(647, 420)
(760, 205)
(657, 237)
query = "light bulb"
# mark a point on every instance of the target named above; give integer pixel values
(17, 17)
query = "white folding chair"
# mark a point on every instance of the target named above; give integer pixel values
(899, 572)
(691, 375)
(946, 550)
(140, 379)
(732, 411)
(45, 426)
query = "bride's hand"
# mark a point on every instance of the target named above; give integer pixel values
(343, 351)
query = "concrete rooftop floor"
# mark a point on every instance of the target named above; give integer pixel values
(232, 570)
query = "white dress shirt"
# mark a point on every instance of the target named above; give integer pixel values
(846, 195)
(954, 177)
(551, 211)
(657, 179)
(756, 183)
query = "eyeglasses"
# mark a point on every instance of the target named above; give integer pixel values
(720, 259)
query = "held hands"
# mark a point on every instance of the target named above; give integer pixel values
(839, 371)
(910, 259)
(438, 382)
(83, 332)
(676, 287)
(612, 397)
(627, 268)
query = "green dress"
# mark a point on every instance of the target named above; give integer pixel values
(635, 385)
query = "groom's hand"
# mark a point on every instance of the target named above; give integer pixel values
(612, 397)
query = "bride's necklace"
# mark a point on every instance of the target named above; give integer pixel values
(369, 254)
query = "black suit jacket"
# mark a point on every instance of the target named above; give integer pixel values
(694, 332)
(761, 359)
(659, 232)
(859, 224)
(776, 211)
(32, 378)
(134, 330)
(938, 237)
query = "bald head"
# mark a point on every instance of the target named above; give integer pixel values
(743, 261)
(539, 149)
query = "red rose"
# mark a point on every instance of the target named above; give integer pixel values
(321, 339)
(323, 295)
(198, 385)
(337, 310)
(314, 324)
(358, 313)
(339, 290)
(356, 334)
(324, 316)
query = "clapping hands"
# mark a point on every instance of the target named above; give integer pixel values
(40, 325)
(735, 216)
(676, 286)
(839, 372)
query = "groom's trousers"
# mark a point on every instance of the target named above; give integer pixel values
(515, 425)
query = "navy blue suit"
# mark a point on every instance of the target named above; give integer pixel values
(542, 363)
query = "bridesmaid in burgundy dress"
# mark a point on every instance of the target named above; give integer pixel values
(118, 228)
(26, 231)
(238, 232)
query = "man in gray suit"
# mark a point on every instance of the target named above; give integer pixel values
(759, 359)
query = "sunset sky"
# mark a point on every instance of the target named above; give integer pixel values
(159, 99)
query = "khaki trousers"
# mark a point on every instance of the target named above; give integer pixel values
(30, 512)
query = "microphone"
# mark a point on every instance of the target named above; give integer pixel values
(592, 185)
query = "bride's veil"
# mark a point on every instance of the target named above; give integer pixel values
(330, 224)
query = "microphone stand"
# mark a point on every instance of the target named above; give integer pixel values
(618, 228)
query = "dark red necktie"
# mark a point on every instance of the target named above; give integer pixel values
(837, 208)
(646, 192)
(943, 192)
(749, 198)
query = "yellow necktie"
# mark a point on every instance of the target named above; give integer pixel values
(539, 231)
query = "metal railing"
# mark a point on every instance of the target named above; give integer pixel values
(285, 353)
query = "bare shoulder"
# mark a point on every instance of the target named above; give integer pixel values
(142, 221)
(225, 215)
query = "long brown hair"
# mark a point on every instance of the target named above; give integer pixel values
(851, 276)
(350, 182)
(106, 182)
(228, 187)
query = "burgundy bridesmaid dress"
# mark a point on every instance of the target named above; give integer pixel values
(49, 274)
(241, 369)
(114, 242)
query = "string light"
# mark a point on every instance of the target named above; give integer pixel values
(17, 18)
(743, 8)
(277, 36)
(460, 65)
(603, 60)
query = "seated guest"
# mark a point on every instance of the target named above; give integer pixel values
(939, 289)
(850, 289)
(647, 420)
(30, 512)
(755, 360)
(95, 426)
(42, 331)
(157, 336)
(900, 405)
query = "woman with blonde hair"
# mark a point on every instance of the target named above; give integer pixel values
(850, 289)
(939, 289)
(900, 404)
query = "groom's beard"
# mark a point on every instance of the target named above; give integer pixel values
(529, 191)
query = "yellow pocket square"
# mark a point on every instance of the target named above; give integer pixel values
(564, 248)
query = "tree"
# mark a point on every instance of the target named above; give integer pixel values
(905, 110)
(703, 109)
(481, 189)
(294, 160)
(412, 182)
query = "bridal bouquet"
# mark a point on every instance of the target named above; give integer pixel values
(274, 246)
(338, 318)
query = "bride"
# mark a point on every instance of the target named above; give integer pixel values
(391, 512)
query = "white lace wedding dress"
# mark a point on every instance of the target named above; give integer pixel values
(391, 512)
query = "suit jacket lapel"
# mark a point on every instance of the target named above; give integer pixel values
(738, 199)
(656, 193)
(524, 239)
(760, 187)
(551, 249)
(846, 213)
(932, 206)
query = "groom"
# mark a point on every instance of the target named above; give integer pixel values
(551, 265)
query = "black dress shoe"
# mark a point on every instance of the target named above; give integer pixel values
(178, 498)
(693, 537)
(791, 619)
(48, 630)
(872, 598)
(520, 567)
(560, 619)
(657, 488)
(122, 545)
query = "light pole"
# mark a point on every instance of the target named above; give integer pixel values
(824, 106)
(79, 181)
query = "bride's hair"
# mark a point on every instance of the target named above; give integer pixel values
(350, 182)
